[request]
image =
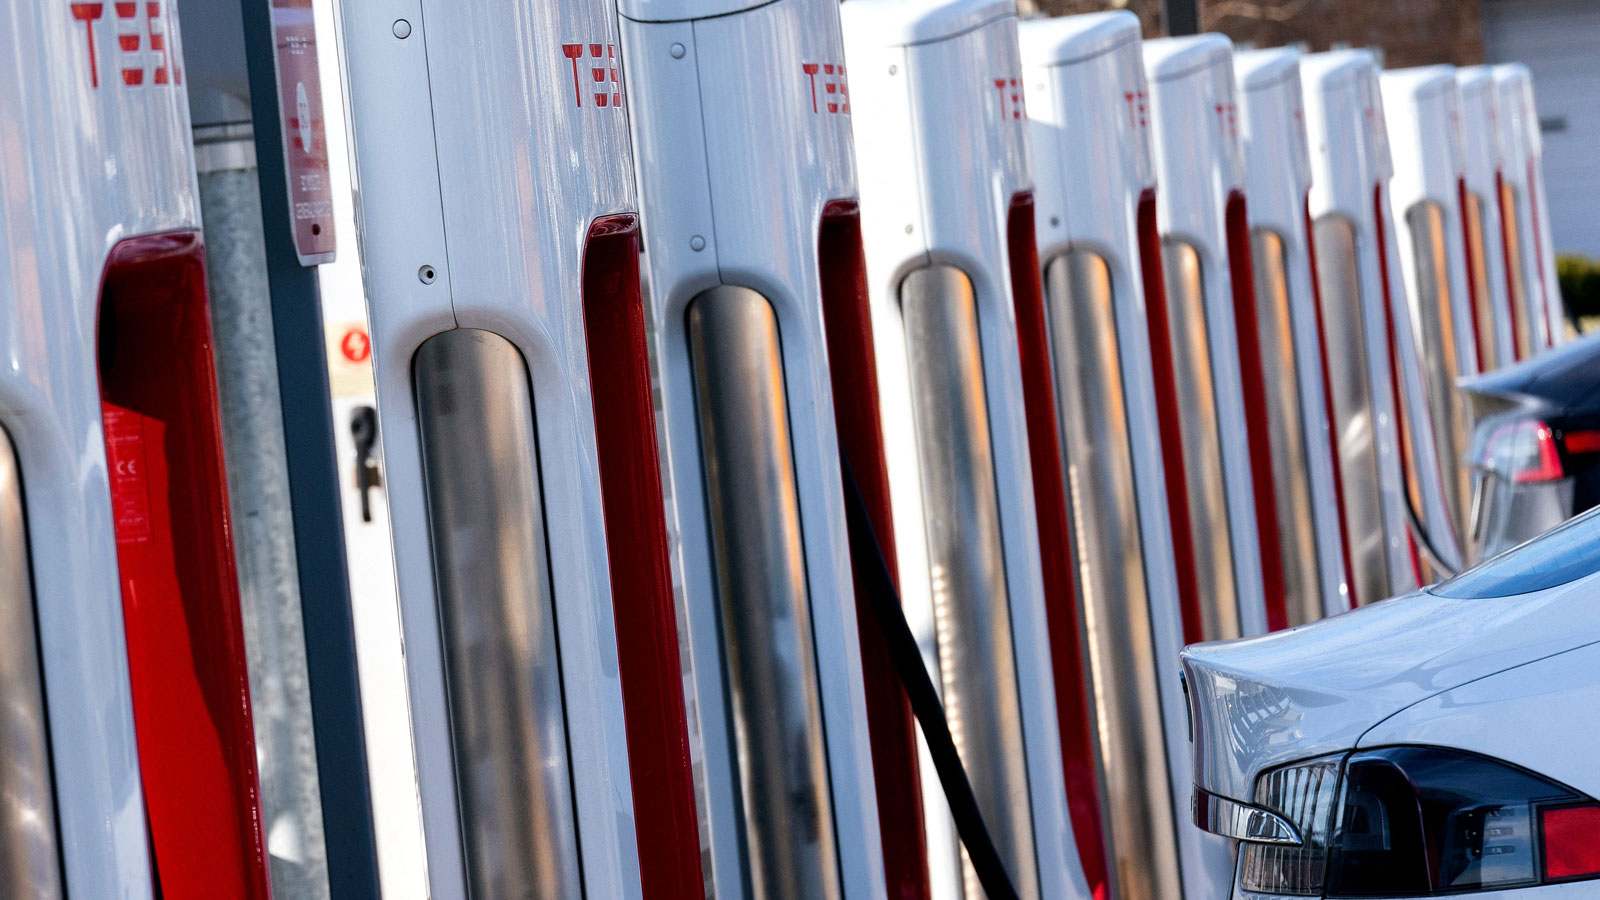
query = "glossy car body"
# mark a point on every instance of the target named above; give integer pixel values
(1488, 667)
(1535, 442)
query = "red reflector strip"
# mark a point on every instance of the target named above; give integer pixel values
(853, 374)
(660, 768)
(1253, 380)
(180, 593)
(1328, 410)
(1571, 842)
(1168, 420)
(1055, 541)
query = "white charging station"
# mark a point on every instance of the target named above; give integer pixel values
(1293, 350)
(1215, 346)
(1523, 180)
(948, 224)
(1483, 156)
(1099, 249)
(1206, 260)
(1364, 301)
(500, 245)
(1422, 107)
(741, 131)
(129, 756)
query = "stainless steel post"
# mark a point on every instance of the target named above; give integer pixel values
(1438, 346)
(1287, 433)
(1098, 458)
(1345, 331)
(30, 859)
(769, 657)
(502, 664)
(1201, 440)
(971, 605)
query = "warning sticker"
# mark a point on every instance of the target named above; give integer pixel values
(130, 486)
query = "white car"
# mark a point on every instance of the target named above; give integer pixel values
(1443, 742)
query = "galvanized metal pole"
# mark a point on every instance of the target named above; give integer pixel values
(309, 445)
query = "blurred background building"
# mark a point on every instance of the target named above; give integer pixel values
(1555, 38)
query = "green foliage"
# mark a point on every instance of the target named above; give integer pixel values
(1580, 284)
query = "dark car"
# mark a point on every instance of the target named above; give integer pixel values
(1535, 445)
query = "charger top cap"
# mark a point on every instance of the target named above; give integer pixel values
(1420, 82)
(1258, 70)
(902, 23)
(1068, 39)
(1166, 59)
(1325, 71)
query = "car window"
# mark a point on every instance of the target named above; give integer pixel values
(1565, 554)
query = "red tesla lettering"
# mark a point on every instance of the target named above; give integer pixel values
(1228, 119)
(88, 13)
(604, 76)
(1010, 97)
(129, 38)
(1138, 108)
(835, 88)
(167, 72)
(574, 52)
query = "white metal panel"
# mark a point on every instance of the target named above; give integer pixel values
(1090, 126)
(1343, 120)
(1278, 163)
(1483, 156)
(1199, 163)
(88, 160)
(940, 126)
(738, 152)
(1554, 38)
(488, 233)
(1423, 113)
(1522, 171)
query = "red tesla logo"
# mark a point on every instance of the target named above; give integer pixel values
(355, 345)
(1011, 97)
(835, 96)
(142, 40)
(603, 80)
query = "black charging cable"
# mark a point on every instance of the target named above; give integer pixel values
(873, 573)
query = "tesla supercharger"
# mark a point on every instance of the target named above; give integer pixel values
(1214, 336)
(1216, 349)
(500, 243)
(967, 412)
(1528, 244)
(1366, 316)
(1289, 321)
(1498, 329)
(1422, 107)
(128, 761)
(1100, 261)
(741, 127)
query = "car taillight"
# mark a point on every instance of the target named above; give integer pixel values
(1305, 795)
(1571, 841)
(1418, 821)
(1523, 451)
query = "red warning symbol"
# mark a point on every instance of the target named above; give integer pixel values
(355, 345)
